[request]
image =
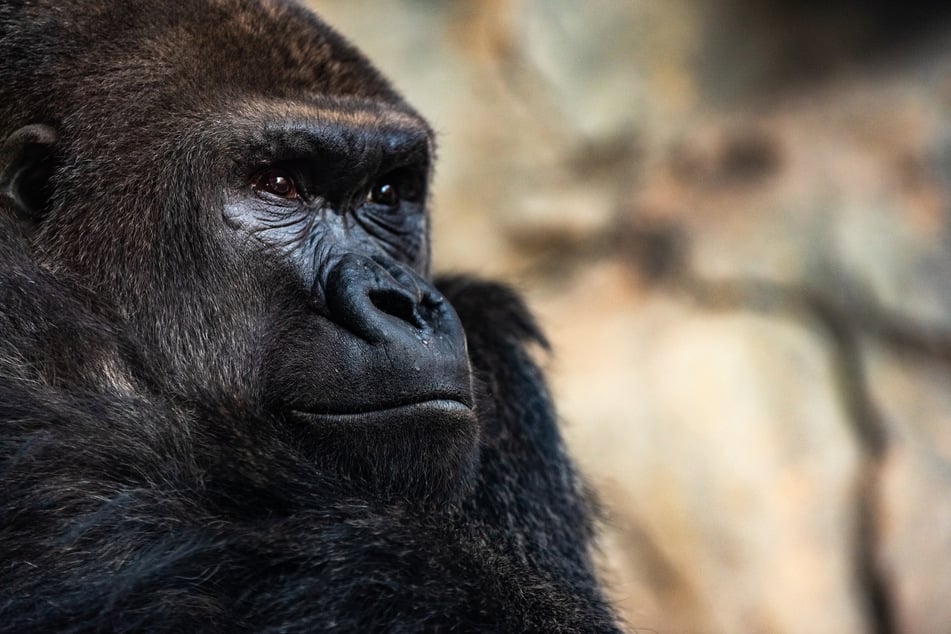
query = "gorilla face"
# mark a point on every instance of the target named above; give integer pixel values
(252, 208)
(343, 205)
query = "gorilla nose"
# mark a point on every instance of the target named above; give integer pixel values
(381, 302)
(407, 344)
(398, 303)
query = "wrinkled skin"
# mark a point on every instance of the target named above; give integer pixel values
(231, 394)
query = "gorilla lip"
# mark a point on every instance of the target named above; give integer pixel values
(444, 405)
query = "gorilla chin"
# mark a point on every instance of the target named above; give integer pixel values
(441, 434)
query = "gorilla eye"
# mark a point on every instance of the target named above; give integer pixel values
(278, 183)
(394, 188)
(384, 193)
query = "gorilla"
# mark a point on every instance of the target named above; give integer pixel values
(232, 395)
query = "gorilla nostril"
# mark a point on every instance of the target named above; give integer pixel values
(398, 304)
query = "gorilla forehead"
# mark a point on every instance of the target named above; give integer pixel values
(324, 126)
(170, 57)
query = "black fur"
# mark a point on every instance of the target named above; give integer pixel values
(148, 479)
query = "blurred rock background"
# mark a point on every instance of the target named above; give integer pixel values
(732, 217)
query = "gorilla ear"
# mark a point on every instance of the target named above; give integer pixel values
(27, 160)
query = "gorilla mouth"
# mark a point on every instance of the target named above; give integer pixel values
(447, 406)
